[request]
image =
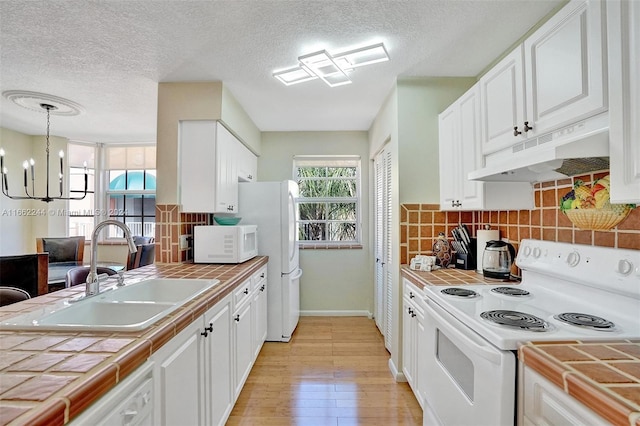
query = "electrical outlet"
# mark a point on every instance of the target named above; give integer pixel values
(184, 244)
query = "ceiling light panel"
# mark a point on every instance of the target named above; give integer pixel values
(322, 64)
(294, 75)
(333, 70)
(363, 56)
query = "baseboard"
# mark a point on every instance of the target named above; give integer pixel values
(336, 314)
(397, 375)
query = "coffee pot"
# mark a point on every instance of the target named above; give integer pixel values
(497, 259)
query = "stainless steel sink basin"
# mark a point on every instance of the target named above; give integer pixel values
(129, 308)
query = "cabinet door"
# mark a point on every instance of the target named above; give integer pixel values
(546, 404)
(565, 67)
(219, 390)
(624, 99)
(243, 345)
(259, 317)
(449, 148)
(197, 160)
(178, 379)
(247, 163)
(469, 155)
(226, 171)
(459, 147)
(408, 341)
(421, 349)
(503, 103)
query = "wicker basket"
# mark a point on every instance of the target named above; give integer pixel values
(596, 219)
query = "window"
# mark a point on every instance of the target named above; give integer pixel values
(81, 212)
(329, 201)
(131, 190)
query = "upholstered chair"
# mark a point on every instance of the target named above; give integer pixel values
(28, 272)
(62, 249)
(77, 276)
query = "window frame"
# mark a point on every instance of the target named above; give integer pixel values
(329, 161)
(113, 214)
(101, 191)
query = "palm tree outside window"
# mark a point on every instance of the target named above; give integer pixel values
(329, 201)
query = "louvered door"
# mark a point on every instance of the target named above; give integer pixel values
(383, 273)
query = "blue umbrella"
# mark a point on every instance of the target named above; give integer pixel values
(135, 181)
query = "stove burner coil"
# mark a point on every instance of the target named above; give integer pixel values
(515, 319)
(585, 321)
(510, 291)
(459, 292)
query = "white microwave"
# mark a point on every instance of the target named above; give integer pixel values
(224, 244)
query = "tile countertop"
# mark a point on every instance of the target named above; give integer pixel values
(448, 277)
(47, 378)
(603, 376)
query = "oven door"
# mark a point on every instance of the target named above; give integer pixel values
(468, 380)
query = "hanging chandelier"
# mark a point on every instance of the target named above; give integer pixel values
(29, 166)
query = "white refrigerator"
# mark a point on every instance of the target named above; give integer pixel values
(272, 206)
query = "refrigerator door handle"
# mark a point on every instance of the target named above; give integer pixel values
(296, 274)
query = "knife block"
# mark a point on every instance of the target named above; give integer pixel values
(467, 261)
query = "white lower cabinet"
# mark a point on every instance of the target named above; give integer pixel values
(178, 384)
(413, 338)
(129, 403)
(243, 345)
(199, 374)
(196, 377)
(259, 281)
(218, 383)
(545, 404)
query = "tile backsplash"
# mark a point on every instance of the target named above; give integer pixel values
(421, 223)
(170, 225)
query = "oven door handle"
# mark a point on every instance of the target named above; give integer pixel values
(462, 332)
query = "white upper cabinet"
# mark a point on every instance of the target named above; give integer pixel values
(624, 99)
(247, 163)
(227, 176)
(565, 68)
(459, 150)
(208, 168)
(459, 153)
(557, 77)
(502, 102)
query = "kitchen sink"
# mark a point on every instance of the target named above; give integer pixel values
(159, 290)
(129, 308)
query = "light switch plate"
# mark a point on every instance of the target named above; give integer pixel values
(184, 244)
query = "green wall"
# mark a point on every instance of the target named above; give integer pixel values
(337, 281)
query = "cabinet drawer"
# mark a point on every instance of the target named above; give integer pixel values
(241, 293)
(259, 278)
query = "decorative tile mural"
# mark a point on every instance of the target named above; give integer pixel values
(421, 223)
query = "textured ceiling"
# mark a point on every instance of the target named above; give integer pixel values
(109, 56)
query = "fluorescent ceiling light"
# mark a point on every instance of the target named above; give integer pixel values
(332, 69)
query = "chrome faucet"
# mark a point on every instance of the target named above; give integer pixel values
(92, 284)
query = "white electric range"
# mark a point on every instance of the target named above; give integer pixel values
(568, 292)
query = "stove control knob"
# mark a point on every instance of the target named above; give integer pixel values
(573, 258)
(526, 251)
(624, 267)
(537, 252)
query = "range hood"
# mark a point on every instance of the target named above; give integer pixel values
(570, 151)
